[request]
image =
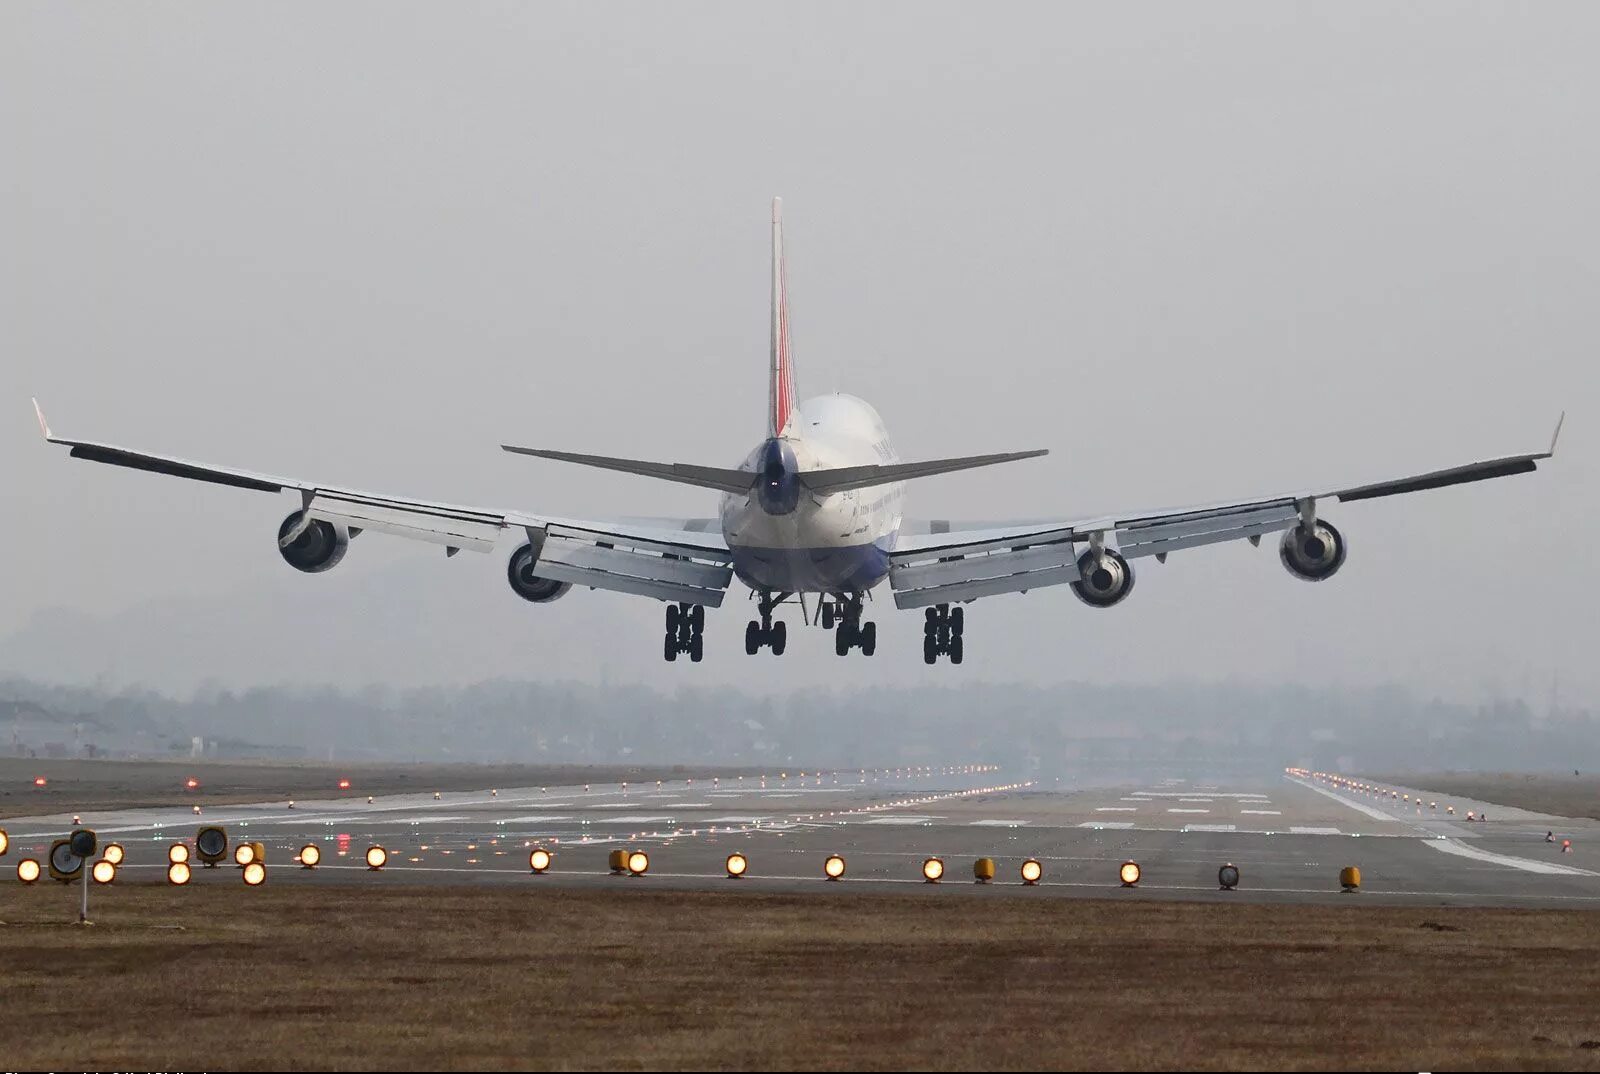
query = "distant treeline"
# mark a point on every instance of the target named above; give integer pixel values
(1077, 728)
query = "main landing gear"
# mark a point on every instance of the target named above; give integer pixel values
(851, 632)
(941, 634)
(765, 633)
(686, 624)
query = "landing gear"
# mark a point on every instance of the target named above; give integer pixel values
(686, 624)
(941, 633)
(851, 632)
(765, 633)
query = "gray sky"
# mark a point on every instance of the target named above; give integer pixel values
(1196, 251)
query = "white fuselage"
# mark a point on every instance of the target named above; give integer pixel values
(834, 543)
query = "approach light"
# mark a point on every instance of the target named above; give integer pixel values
(833, 868)
(104, 872)
(1129, 874)
(932, 870)
(737, 864)
(62, 863)
(5, 841)
(310, 855)
(638, 863)
(1031, 871)
(538, 859)
(27, 870)
(1228, 876)
(245, 853)
(178, 873)
(113, 853)
(178, 853)
(211, 845)
(255, 874)
(377, 858)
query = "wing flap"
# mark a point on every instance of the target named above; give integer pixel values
(580, 561)
(473, 530)
(986, 587)
(1158, 537)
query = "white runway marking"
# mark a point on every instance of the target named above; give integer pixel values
(781, 796)
(901, 820)
(1209, 828)
(426, 819)
(1188, 811)
(998, 823)
(1263, 812)
(634, 820)
(735, 820)
(1116, 809)
(1342, 800)
(1450, 846)
(1135, 799)
(1194, 799)
(538, 818)
(1106, 824)
(1296, 830)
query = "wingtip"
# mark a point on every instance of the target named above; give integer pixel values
(1555, 436)
(777, 210)
(44, 426)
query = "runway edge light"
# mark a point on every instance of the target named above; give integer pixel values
(983, 870)
(737, 864)
(1228, 876)
(255, 874)
(538, 859)
(310, 856)
(1031, 871)
(377, 857)
(1350, 878)
(933, 870)
(1129, 874)
(27, 870)
(833, 868)
(638, 863)
(178, 873)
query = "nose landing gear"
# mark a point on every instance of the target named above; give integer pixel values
(765, 633)
(686, 624)
(941, 634)
(851, 632)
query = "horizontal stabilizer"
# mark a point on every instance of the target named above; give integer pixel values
(708, 477)
(860, 477)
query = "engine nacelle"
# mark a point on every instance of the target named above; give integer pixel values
(528, 585)
(1105, 578)
(320, 546)
(1312, 554)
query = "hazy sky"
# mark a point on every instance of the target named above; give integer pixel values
(1197, 251)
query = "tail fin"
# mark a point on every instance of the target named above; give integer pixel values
(781, 391)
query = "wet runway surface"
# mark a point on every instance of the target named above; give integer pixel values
(1288, 834)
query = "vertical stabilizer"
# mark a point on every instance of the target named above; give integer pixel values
(781, 391)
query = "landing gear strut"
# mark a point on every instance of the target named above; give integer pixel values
(766, 633)
(851, 632)
(941, 634)
(686, 624)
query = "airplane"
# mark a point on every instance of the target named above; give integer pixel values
(814, 510)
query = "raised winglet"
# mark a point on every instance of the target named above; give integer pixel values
(44, 426)
(1562, 420)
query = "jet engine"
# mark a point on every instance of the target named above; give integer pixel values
(320, 545)
(1312, 554)
(528, 585)
(1105, 578)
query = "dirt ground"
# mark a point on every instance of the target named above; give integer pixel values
(223, 977)
(1562, 795)
(84, 786)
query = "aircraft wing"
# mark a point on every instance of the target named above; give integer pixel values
(950, 564)
(653, 558)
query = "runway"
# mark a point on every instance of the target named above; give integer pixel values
(1289, 835)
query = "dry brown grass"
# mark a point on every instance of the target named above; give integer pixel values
(636, 978)
(78, 786)
(1561, 795)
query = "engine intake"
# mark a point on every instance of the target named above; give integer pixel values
(528, 585)
(320, 546)
(1105, 578)
(1314, 554)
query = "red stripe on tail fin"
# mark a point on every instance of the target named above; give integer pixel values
(781, 389)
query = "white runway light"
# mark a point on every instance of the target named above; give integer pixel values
(1031, 871)
(1129, 874)
(377, 858)
(255, 874)
(737, 864)
(833, 868)
(310, 856)
(178, 873)
(932, 870)
(178, 853)
(638, 863)
(27, 870)
(104, 871)
(539, 859)
(113, 853)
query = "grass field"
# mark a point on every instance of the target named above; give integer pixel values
(84, 786)
(1562, 795)
(220, 977)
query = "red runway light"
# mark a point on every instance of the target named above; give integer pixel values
(40, 781)
(191, 783)
(344, 784)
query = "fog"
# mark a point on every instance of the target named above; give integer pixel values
(1196, 251)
